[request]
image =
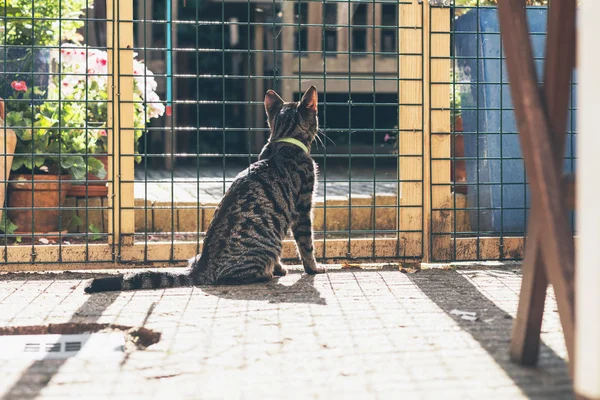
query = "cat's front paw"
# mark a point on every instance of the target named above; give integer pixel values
(315, 270)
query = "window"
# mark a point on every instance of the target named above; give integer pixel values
(389, 32)
(330, 32)
(301, 30)
(359, 30)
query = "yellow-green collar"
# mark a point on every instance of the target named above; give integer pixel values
(293, 141)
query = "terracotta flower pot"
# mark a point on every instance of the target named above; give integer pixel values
(458, 170)
(96, 187)
(44, 201)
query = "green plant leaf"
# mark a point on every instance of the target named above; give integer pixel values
(78, 171)
(27, 163)
(17, 163)
(74, 221)
(96, 167)
(39, 161)
(95, 232)
(6, 225)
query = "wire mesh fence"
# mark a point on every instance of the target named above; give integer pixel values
(55, 131)
(125, 122)
(220, 59)
(482, 213)
(146, 110)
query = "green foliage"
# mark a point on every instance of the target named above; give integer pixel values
(95, 232)
(37, 22)
(76, 222)
(6, 225)
(462, 6)
(455, 100)
(50, 137)
(58, 131)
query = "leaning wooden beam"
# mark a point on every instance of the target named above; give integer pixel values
(544, 177)
(560, 59)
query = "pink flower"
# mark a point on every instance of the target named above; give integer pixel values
(19, 86)
(103, 133)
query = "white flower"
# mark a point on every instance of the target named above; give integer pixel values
(154, 107)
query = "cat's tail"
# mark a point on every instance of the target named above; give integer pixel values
(142, 280)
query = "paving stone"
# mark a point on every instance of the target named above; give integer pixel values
(377, 334)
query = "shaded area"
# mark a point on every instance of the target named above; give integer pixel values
(451, 290)
(302, 291)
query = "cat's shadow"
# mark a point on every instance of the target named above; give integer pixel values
(301, 290)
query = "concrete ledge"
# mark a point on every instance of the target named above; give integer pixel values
(159, 254)
(336, 214)
(339, 213)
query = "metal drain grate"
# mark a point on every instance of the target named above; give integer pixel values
(84, 345)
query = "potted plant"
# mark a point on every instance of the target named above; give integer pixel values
(47, 156)
(83, 79)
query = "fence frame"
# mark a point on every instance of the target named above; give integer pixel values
(424, 158)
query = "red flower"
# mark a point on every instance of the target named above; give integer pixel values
(19, 86)
(102, 132)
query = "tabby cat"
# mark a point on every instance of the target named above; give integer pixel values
(244, 240)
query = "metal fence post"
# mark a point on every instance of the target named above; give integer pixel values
(120, 121)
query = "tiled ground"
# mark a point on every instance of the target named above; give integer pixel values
(349, 334)
(207, 184)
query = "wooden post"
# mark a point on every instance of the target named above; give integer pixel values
(544, 176)
(410, 136)
(558, 67)
(120, 120)
(587, 272)
(440, 137)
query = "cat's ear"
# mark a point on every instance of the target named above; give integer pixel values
(310, 99)
(272, 99)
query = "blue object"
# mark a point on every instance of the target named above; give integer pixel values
(496, 180)
(169, 108)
